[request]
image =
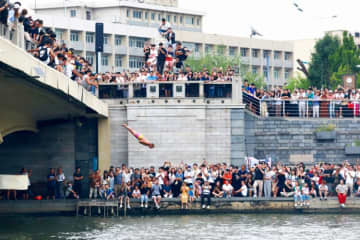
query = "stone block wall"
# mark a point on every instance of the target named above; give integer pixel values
(293, 140)
(181, 133)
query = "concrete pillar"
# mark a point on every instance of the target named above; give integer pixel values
(201, 90)
(1, 139)
(104, 143)
(236, 90)
(127, 56)
(131, 90)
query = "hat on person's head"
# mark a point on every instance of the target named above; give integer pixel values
(17, 5)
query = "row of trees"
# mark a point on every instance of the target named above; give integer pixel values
(331, 59)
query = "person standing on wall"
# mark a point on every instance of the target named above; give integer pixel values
(161, 57)
(78, 177)
(259, 178)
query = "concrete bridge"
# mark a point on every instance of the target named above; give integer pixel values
(44, 116)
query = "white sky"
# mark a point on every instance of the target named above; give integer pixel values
(275, 19)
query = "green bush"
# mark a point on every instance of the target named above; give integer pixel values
(326, 128)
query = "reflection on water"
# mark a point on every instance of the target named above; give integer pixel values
(183, 227)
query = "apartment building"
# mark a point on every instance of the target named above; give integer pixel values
(129, 24)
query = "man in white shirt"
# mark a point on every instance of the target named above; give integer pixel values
(227, 188)
(164, 27)
(188, 176)
(302, 104)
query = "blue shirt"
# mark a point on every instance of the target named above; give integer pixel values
(118, 179)
(151, 78)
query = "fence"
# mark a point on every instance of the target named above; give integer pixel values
(304, 108)
(175, 89)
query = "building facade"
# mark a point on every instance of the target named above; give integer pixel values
(129, 24)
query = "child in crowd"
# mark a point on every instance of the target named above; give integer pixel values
(109, 193)
(69, 192)
(136, 194)
(184, 196)
(323, 190)
(145, 191)
(298, 198)
(306, 195)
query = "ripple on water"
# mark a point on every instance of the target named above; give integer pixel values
(212, 227)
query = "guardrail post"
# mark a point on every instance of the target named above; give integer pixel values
(130, 91)
(283, 103)
(307, 109)
(201, 89)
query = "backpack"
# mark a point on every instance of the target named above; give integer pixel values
(43, 54)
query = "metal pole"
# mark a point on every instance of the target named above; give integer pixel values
(98, 62)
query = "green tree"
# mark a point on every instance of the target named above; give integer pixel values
(213, 60)
(345, 60)
(321, 68)
(297, 82)
(257, 79)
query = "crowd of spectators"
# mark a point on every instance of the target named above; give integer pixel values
(206, 181)
(311, 102)
(162, 62)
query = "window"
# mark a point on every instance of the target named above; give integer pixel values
(136, 62)
(175, 19)
(244, 52)
(220, 50)
(197, 48)
(287, 74)
(90, 58)
(159, 17)
(135, 42)
(146, 15)
(255, 53)
(277, 55)
(74, 36)
(72, 13)
(59, 34)
(106, 40)
(189, 20)
(88, 15)
(127, 12)
(198, 21)
(89, 37)
(266, 54)
(254, 70)
(181, 19)
(168, 18)
(118, 40)
(265, 72)
(118, 61)
(153, 16)
(137, 14)
(232, 51)
(208, 48)
(104, 60)
(287, 56)
(276, 74)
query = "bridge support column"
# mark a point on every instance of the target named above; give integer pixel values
(104, 143)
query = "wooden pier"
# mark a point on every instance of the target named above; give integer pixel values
(87, 205)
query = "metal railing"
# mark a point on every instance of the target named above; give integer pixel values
(165, 89)
(14, 34)
(302, 108)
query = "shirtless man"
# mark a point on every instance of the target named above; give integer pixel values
(139, 136)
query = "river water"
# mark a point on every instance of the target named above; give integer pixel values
(302, 227)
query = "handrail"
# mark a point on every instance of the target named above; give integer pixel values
(303, 108)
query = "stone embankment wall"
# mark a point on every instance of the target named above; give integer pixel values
(295, 140)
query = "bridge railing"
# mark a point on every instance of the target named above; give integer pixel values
(162, 89)
(303, 108)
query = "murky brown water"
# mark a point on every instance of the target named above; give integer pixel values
(267, 226)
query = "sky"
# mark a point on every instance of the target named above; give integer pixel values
(274, 19)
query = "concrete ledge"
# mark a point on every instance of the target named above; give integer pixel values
(172, 206)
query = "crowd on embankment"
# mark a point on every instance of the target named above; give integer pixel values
(205, 181)
(310, 102)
